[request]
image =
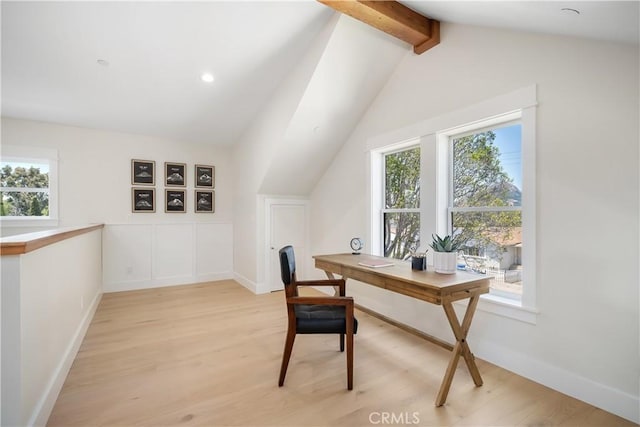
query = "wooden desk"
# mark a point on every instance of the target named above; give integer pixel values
(440, 289)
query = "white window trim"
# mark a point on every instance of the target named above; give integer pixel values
(497, 302)
(376, 190)
(383, 186)
(433, 144)
(13, 153)
(444, 139)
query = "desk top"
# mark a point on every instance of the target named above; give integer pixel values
(425, 285)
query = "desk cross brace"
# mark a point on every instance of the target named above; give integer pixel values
(461, 348)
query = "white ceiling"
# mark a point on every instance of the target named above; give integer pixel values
(156, 53)
(157, 50)
(598, 20)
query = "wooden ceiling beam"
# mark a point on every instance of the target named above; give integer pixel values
(393, 18)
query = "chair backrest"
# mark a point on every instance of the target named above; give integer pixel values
(287, 265)
(288, 273)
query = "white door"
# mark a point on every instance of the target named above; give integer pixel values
(287, 227)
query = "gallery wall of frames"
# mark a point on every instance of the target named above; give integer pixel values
(175, 186)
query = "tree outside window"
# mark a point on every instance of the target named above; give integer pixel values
(401, 212)
(486, 203)
(24, 189)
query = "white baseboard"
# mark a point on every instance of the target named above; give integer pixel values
(135, 285)
(249, 284)
(617, 402)
(43, 408)
(607, 398)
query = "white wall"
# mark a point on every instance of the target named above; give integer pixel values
(49, 297)
(585, 342)
(95, 187)
(150, 255)
(252, 156)
(289, 145)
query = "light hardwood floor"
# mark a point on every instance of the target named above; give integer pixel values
(209, 355)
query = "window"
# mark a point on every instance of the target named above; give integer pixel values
(24, 188)
(477, 178)
(401, 211)
(27, 186)
(485, 203)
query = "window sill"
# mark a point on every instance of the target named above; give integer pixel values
(14, 222)
(506, 307)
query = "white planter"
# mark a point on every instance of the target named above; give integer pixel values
(445, 262)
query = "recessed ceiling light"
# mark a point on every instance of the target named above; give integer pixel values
(207, 77)
(103, 62)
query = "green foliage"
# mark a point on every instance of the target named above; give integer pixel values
(402, 182)
(479, 180)
(481, 229)
(5, 206)
(446, 244)
(401, 234)
(21, 177)
(402, 179)
(19, 203)
(478, 177)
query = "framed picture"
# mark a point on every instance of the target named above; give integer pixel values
(143, 199)
(205, 176)
(174, 174)
(174, 201)
(143, 172)
(205, 201)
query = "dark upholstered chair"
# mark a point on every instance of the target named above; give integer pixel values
(315, 315)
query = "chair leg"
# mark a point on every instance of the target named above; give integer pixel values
(350, 360)
(341, 342)
(288, 346)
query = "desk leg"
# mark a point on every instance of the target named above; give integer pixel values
(336, 290)
(460, 348)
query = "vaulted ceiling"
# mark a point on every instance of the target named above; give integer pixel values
(155, 53)
(136, 67)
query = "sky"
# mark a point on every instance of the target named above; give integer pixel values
(43, 167)
(509, 142)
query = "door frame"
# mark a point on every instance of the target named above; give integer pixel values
(268, 203)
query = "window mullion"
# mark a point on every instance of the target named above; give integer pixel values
(401, 210)
(486, 209)
(23, 190)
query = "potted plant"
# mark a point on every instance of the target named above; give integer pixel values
(445, 253)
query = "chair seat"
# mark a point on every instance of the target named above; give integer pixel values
(322, 319)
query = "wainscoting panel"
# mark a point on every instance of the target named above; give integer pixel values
(214, 252)
(141, 256)
(126, 254)
(173, 252)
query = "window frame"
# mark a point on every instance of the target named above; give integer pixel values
(526, 116)
(35, 155)
(510, 120)
(376, 169)
(383, 209)
(432, 133)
